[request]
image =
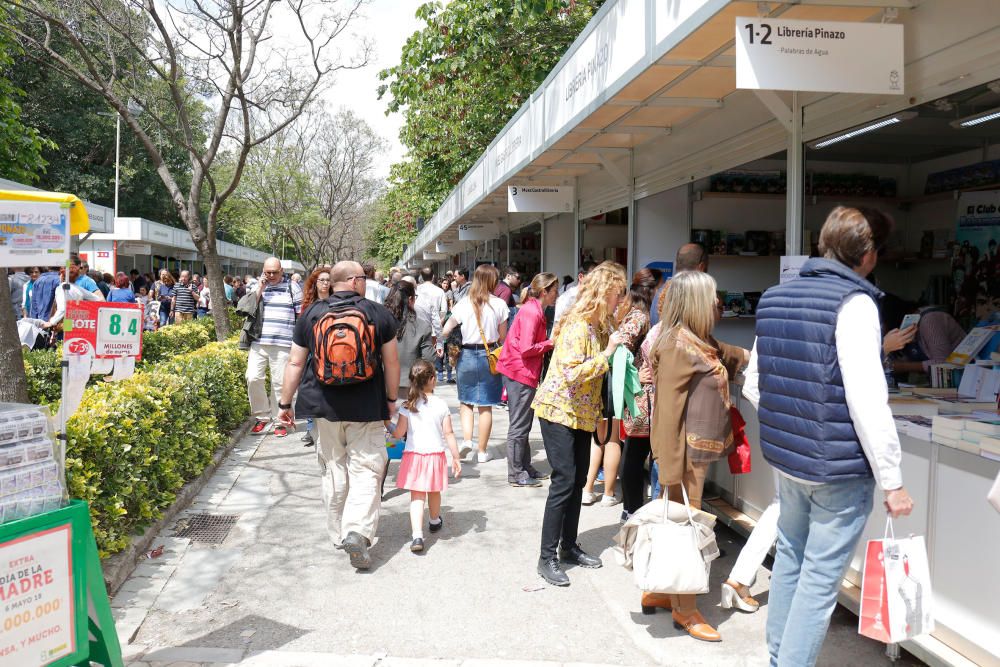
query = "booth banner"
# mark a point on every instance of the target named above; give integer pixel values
(36, 598)
(478, 231)
(821, 56)
(108, 330)
(975, 262)
(33, 233)
(541, 198)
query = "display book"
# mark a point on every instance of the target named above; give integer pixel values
(976, 433)
(32, 462)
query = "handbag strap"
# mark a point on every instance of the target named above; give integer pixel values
(890, 533)
(480, 325)
(687, 505)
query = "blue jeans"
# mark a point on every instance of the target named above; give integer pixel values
(818, 529)
(164, 317)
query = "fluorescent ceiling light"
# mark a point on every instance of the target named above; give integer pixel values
(862, 129)
(972, 121)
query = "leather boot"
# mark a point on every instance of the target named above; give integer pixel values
(696, 626)
(650, 601)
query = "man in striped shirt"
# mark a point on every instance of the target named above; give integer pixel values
(282, 302)
(185, 299)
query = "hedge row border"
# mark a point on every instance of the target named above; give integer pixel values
(119, 567)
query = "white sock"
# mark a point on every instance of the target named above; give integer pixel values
(418, 534)
(436, 522)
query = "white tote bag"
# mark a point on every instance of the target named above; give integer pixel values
(667, 556)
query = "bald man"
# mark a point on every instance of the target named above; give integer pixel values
(690, 257)
(281, 301)
(349, 413)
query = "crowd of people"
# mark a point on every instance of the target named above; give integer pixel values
(362, 359)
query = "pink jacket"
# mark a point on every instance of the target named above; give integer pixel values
(526, 342)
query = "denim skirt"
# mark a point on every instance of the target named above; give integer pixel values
(476, 385)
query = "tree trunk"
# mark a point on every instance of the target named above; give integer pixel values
(217, 291)
(14, 385)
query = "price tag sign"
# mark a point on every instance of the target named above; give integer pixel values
(119, 332)
(111, 330)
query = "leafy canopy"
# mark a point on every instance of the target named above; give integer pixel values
(458, 82)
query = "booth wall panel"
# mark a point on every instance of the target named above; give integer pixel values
(661, 226)
(558, 256)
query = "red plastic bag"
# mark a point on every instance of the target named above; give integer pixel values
(739, 460)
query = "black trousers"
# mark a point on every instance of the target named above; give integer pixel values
(633, 473)
(568, 451)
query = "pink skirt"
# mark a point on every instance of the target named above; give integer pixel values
(423, 472)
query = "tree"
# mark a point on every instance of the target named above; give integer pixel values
(458, 82)
(311, 188)
(163, 56)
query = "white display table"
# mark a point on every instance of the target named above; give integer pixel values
(962, 530)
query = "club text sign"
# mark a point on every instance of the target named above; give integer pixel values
(821, 56)
(540, 198)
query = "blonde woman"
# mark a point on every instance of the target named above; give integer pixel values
(568, 406)
(691, 425)
(480, 316)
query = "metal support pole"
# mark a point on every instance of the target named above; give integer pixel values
(793, 195)
(630, 256)
(577, 236)
(118, 150)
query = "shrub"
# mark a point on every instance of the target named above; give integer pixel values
(176, 339)
(134, 443)
(44, 375)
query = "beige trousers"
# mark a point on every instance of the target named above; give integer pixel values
(352, 458)
(260, 358)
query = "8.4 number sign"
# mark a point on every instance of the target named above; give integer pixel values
(108, 329)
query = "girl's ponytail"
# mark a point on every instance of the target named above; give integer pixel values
(421, 375)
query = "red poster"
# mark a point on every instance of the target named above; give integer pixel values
(109, 330)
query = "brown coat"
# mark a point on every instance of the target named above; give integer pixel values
(691, 416)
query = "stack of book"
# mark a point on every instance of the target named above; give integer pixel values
(967, 432)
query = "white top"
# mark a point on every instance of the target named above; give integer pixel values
(431, 306)
(859, 352)
(205, 299)
(425, 428)
(76, 293)
(375, 292)
(566, 301)
(495, 312)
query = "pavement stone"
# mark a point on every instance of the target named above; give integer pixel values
(277, 594)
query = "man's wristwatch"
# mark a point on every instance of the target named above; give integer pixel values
(284, 406)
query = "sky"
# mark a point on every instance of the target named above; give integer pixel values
(388, 23)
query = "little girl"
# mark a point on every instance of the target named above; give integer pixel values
(426, 421)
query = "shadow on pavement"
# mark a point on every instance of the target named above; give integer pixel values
(249, 632)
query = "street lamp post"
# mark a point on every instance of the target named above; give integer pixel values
(118, 152)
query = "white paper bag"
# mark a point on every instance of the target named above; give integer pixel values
(896, 600)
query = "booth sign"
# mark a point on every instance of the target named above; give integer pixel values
(540, 198)
(110, 330)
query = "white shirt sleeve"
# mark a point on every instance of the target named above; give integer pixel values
(859, 351)
(564, 302)
(751, 379)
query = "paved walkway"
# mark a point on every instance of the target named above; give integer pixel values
(275, 593)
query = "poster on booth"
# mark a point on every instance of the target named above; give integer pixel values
(33, 233)
(36, 598)
(107, 330)
(975, 262)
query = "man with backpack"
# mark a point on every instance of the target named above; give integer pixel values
(280, 301)
(344, 364)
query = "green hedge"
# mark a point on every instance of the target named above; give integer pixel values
(134, 443)
(45, 375)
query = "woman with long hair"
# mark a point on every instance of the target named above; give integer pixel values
(521, 366)
(633, 324)
(568, 405)
(414, 338)
(318, 287)
(483, 321)
(691, 425)
(165, 289)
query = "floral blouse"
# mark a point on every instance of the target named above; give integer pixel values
(633, 329)
(571, 392)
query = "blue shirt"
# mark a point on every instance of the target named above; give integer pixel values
(121, 295)
(87, 283)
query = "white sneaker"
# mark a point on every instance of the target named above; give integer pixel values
(465, 450)
(589, 498)
(483, 457)
(609, 501)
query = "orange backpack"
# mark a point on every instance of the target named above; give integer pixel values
(345, 350)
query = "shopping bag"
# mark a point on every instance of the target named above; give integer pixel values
(896, 600)
(739, 459)
(670, 557)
